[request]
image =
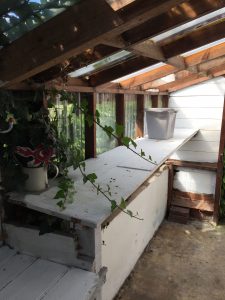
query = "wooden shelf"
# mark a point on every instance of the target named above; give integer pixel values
(193, 165)
(122, 169)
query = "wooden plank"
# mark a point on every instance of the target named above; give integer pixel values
(41, 276)
(171, 19)
(6, 254)
(14, 266)
(193, 165)
(51, 43)
(195, 39)
(72, 38)
(140, 116)
(90, 131)
(120, 111)
(193, 196)
(148, 76)
(205, 205)
(74, 285)
(219, 174)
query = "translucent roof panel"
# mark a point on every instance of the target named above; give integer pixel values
(20, 16)
(111, 60)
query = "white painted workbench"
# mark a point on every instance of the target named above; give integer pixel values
(119, 245)
(120, 168)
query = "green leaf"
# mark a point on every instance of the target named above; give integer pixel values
(97, 115)
(130, 213)
(113, 205)
(83, 165)
(60, 194)
(149, 157)
(133, 143)
(142, 153)
(61, 204)
(119, 130)
(126, 141)
(108, 130)
(91, 177)
(123, 203)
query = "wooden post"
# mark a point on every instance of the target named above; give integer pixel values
(140, 116)
(170, 186)
(120, 111)
(155, 102)
(90, 131)
(165, 101)
(219, 174)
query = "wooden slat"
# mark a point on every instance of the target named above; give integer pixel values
(140, 116)
(120, 111)
(206, 205)
(170, 186)
(193, 165)
(90, 131)
(219, 174)
(51, 43)
(193, 196)
(165, 101)
(195, 39)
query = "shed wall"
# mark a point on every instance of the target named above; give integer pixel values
(199, 106)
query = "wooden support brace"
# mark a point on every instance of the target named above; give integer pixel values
(155, 101)
(165, 101)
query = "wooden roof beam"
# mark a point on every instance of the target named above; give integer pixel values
(52, 43)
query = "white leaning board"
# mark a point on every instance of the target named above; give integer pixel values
(123, 180)
(24, 277)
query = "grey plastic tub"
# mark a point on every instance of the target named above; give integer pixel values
(160, 123)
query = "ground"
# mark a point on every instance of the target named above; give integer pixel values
(182, 262)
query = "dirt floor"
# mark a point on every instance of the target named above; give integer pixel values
(182, 262)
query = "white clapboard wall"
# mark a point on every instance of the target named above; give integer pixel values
(199, 106)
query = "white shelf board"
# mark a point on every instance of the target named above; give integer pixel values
(120, 168)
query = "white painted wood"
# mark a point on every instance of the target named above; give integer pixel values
(23, 277)
(196, 156)
(14, 266)
(196, 181)
(201, 146)
(199, 106)
(208, 113)
(93, 208)
(5, 254)
(50, 246)
(74, 285)
(190, 101)
(35, 282)
(205, 124)
(125, 238)
(207, 136)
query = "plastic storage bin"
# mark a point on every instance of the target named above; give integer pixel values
(160, 123)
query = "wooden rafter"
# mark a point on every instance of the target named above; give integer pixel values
(52, 43)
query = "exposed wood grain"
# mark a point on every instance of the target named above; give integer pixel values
(193, 196)
(206, 205)
(155, 101)
(193, 165)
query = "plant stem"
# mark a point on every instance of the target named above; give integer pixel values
(107, 197)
